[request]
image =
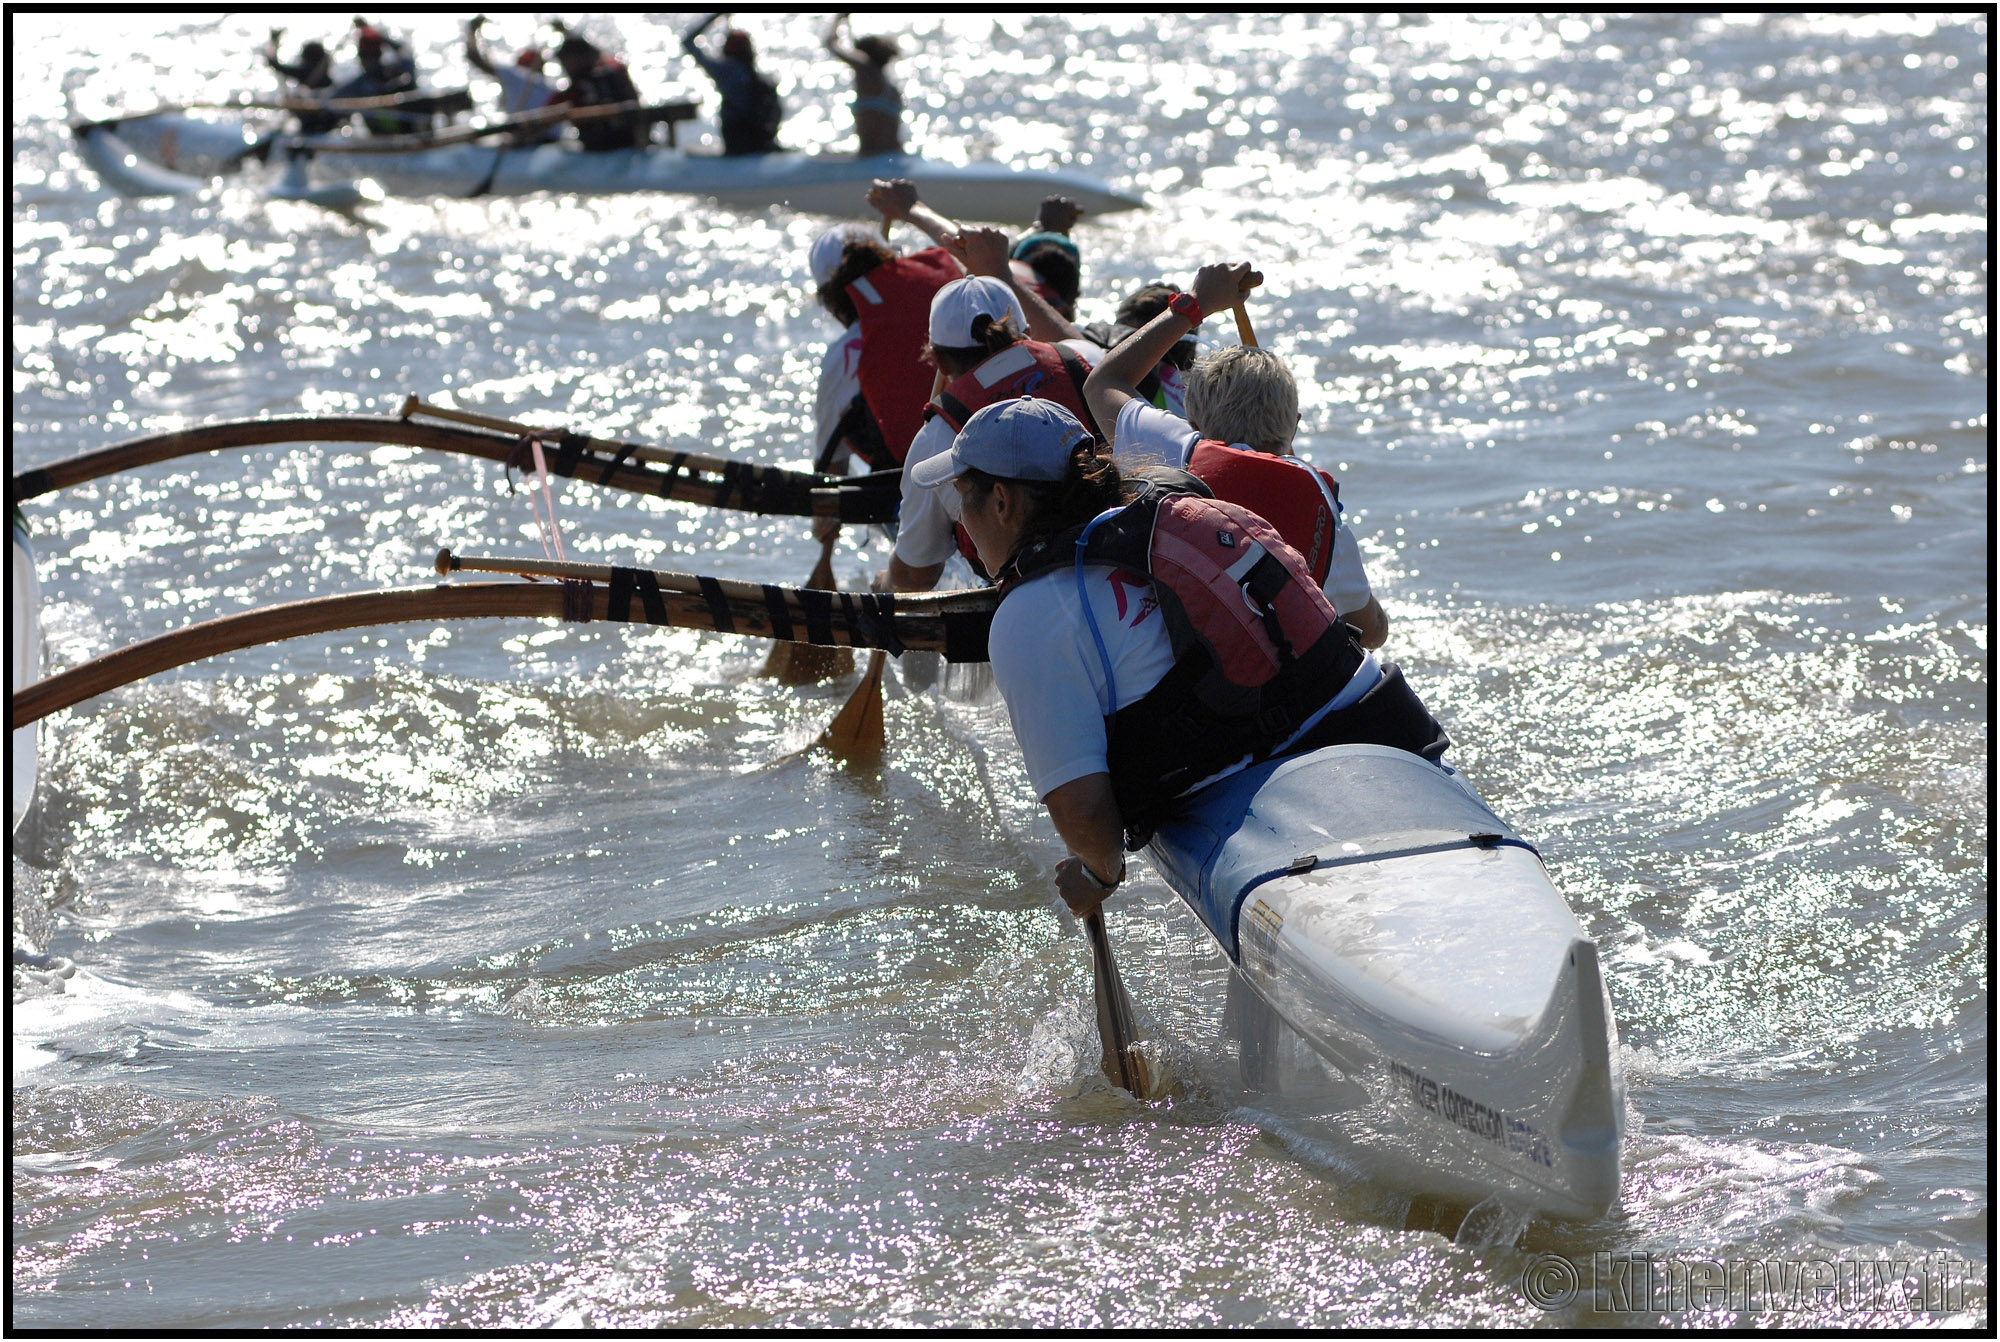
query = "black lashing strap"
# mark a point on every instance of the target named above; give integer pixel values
(872, 617)
(735, 476)
(626, 581)
(780, 612)
(818, 608)
(718, 606)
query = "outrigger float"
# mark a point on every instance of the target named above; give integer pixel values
(1405, 974)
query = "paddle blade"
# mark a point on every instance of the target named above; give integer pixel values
(1124, 1066)
(856, 733)
(808, 663)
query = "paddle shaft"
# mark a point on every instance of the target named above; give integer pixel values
(382, 102)
(414, 405)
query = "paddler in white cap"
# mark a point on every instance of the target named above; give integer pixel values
(983, 355)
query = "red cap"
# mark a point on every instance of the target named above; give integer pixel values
(367, 37)
(530, 58)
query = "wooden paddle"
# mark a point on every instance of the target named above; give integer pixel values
(1124, 1065)
(807, 663)
(856, 732)
(1243, 331)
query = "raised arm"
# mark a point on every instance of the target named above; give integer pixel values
(1116, 380)
(985, 253)
(832, 43)
(473, 55)
(688, 37)
(896, 198)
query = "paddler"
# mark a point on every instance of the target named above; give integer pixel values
(523, 86)
(991, 338)
(312, 71)
(1046, 258)
(1242, 414)
(751, 109)
(312, 76)
(1082, 654)
(385, 70)
(1166, 385)
(594, 79)
(878, 104)
(873, 387)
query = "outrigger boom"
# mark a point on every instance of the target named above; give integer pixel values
(688, 477)
(951, 623)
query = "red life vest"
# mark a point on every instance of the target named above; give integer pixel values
(1026, 368)
(893, 303)
(1275, 488)
(1258, 649)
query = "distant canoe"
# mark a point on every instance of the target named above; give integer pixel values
(831, 184)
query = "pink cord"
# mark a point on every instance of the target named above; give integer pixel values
(550, 532)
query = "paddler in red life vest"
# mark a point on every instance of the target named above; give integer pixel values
(873, 387)
(982, 355)
(1242, 413)
(1082, 653)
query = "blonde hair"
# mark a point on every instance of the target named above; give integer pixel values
(1242, 394)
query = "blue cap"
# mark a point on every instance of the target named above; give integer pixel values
(1023, 439)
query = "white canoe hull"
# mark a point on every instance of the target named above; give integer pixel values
(24, 668)
(815, 183)
(1409, 977)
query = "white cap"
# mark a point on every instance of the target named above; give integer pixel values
(828, 247)
(1027, 438)
(954, 307)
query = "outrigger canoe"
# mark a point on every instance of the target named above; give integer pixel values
(1408, 976)
(190, 149)
(1404, 972)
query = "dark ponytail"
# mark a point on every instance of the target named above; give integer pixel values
(994, 334)
(856, 260)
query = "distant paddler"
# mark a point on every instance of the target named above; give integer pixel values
(1242, 414)
(385, 69)
(878, 104)
(523, 86)
(595, 79)
(311, 76)
(751, 109)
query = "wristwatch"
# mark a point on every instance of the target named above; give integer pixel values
(1184, 307)
(1091, 876)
